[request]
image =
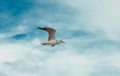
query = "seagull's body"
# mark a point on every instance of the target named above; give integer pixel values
(51, 36)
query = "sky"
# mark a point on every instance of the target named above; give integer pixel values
(90, 28)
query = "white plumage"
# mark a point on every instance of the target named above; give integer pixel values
(51, 36)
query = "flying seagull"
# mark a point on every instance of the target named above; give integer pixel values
(51, 36)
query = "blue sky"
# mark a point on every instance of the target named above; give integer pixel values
(90, 29)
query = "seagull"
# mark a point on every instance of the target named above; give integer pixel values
(51, 37)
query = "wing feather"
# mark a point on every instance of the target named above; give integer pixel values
(51, 32)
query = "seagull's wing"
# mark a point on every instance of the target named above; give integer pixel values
(51, 32)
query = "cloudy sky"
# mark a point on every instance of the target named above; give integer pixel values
(90, 28)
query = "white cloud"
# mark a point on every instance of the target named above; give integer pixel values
(100, 15)
(29, 58)
(61, 63)
(69, 64)
(12, 51)
(32, 59)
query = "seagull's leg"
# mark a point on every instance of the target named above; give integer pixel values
(43, 43)
(52, 45)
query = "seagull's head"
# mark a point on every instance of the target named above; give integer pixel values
(61, 41)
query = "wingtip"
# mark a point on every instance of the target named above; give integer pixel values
(40, 28)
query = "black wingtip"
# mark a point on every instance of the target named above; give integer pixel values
(39, 28)
(42, 28)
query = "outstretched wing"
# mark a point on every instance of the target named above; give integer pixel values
(51, 32)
